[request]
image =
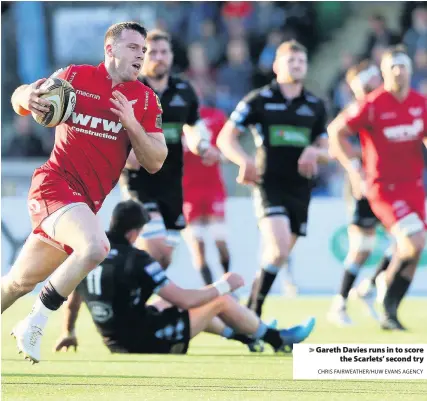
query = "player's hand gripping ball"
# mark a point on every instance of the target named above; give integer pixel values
(62, 98)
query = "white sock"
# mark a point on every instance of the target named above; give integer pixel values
(40, 313)
(339, 301)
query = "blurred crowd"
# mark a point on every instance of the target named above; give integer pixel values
(413, 35)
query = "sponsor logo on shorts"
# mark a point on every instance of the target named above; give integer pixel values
(34, 206)
(180, 221)
(401, 208)
(274, 210)
(101, 312)
(303, 228)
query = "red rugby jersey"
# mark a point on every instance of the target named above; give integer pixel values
(391, 134)
(92, 146)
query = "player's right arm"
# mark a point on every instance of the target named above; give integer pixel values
(228, 142)
(68, 337)
(26, 99)
(349, 121)
(152, 278)
(188, 299)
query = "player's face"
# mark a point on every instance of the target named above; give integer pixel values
(400, 76)
(291, 67)
(158, 60)
(128, 53)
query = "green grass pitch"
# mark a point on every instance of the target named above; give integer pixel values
(214, 370)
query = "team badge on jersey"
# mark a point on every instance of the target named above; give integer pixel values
(158, 123)
(160, 107)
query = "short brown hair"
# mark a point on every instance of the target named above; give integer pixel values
(354, 71)
(115, 31)
(158, 34)
(290, 46)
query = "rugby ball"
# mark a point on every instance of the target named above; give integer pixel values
(62, 97)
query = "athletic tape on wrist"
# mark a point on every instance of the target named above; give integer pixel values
(222, 286)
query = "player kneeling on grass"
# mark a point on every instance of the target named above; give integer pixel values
(116, 293)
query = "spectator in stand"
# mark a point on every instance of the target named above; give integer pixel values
(422, 87)
(338, 91)
(25, 142)
(264, 73)
(301, 19)
(268, 54)
(242, 11)
(416, 36)
(377, 53)
(200, 73)
(420, 68)
(213, 42)
(234, 78)
(380, 35)
(268, 16)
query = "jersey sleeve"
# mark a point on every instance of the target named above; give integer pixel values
(62, 73)
(245, 113)
(357, 116)
(319, 128)
(149, 273)
(152, 119)
(425, 118)
(194, 114)
(217, 124)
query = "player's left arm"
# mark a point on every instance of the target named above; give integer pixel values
(146, 137)
(71, 311)
(320, 137)
(425, 125)
(196, 132)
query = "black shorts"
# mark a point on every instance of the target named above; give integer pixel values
(166, 201)
(161, 332)
(274, 200)
(363, 216)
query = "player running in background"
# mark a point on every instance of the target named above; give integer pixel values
(116, 293)
(392, 124)
(362, 78)
(288, 124)
(66, 193)
(161, 194)
(204, 199)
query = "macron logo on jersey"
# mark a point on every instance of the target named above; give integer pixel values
(87, 94)
(93, 122)
(405, 132)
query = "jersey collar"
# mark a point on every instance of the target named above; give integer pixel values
(102, 71)
(275, 87)
(171, 82)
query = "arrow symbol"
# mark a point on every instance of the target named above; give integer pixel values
(310, 349)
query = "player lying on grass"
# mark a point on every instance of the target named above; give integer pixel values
(117, 291)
